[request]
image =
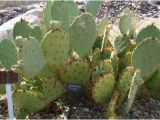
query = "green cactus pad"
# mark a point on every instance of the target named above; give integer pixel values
(126, 22)
(93, 6)
(149, 31)
(83, 34)
(121, 43)
(146, 57)
(31, 54)
(37, 33)
(47, 14)
(28, 102)
(102, 26)
(103, 88)
(47, 72)
(21, 28)
(52, 89)
(55, 47)
(8, 53)
(65, 12)
(153, 85)
(77, 72)
(102, 68)
(125, 82)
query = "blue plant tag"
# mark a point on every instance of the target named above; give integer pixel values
(74, 87)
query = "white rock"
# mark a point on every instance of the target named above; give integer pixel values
(32, 16)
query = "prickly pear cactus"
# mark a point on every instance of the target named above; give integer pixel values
(21, 28)
(82, 33)
(102, 88)
(37, 33)
(93, 6)
(32, 57)
(135, 83)
(47, 14)
(26, 102)
(8, 53)
(121, 43)
(55, 46)
(52, 89)
(102, 26)
(64, 12)
(77, 72)
(153, 85)
(125, 82)
(126, 23)
(102, 68)
(146, 57)
(148, 31)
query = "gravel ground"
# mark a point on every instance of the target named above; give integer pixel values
(81, 108)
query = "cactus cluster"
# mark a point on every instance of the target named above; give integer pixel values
(75, 48)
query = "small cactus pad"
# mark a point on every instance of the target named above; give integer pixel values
(52, 89)
(21, 28)
(102, 26)
(8, 53)
(31, 54)
(55, 47)
(93, 6)
(146, 57)
(102, 68)
(65, 12)
(37, 33)
(76, 72)
(126, 22)
(29, 102)
(125, 82)
(149, 31)
(153, 85)
(83, 34)
(103, 88)
(47, 72)
(121, 43)
(47, 14)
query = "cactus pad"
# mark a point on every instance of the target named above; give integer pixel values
(55, 47)
(83, 34)
(47, 14)
(31, 54)
(126, 22)
(8, 53)
(65, 12)
(77, 73)
(102, 68)
(52, 89)
(121, 43)
(102, 26)
(21, 28)
(103, 88)
(37, 33)
(94, 6)
(153, 85)
(146, 57)
(28, 102)
(149, 31)
(125, 82)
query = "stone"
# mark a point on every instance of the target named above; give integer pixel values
(32, 16)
